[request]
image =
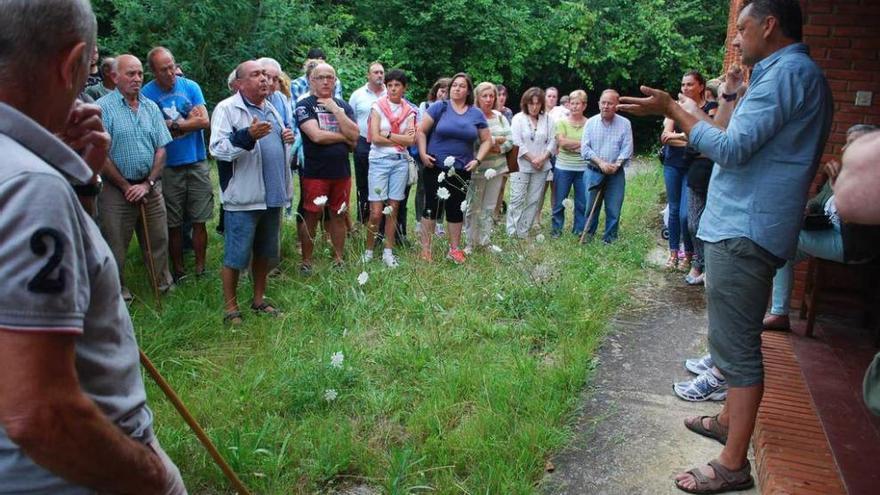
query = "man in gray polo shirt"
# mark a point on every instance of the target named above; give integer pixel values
(73, 414)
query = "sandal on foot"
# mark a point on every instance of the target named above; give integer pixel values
(232, 318)
(725, 480)
(266, 309)
(715, 431)
(672, 262)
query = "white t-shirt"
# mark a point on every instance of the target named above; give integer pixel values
(385, 126)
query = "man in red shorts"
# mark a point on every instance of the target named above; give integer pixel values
(329, 133)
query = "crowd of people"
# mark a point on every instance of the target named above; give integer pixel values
(460, 148)
(89, 140)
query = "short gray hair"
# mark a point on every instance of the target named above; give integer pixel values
(269, 62)
(24, 42)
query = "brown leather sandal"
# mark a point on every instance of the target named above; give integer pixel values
(725, 480)
(715, 431)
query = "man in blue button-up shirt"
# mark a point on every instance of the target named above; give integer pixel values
(765, 159)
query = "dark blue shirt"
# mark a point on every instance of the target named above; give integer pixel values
(454, 134)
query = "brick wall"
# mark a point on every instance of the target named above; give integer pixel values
(843, 39)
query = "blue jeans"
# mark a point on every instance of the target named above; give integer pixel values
(676, 195)
(826, 244)
(615, 186)
(565, 180)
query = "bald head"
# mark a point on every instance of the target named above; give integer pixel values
(252, 81)
(129, 76)
(322, 80)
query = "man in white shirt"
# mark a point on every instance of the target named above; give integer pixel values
(361, 101)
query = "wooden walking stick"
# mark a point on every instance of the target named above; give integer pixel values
(596, 203)
(151, 266)
(194, 425)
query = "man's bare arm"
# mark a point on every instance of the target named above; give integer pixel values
(158, 164)
(113, 176)
(44, 412)
(320, 136)
(198, 119)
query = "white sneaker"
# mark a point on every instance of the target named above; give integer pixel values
(390, 260)
(367, 256)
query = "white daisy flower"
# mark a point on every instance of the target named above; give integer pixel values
(568, 203)
(464, 206)
(441, 177)
(539, 237)
(363, 277)
(330, 394)
(387, 210)
(490, 173)
(320, 201)
(443, 193)
(342, 208)
(336, 360)
(449, 161)
(495, 249)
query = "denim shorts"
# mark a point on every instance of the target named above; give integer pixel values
(739, 274)
(387, 177)
(252, 230)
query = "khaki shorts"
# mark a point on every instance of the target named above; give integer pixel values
(189, 194)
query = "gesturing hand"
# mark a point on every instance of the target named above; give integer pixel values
(84, 133)
(657, 102)
(733, 79)
(259, 130)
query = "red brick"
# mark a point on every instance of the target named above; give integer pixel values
(862, 86)
(852, 30)
(812, 30)
(852, 54)
(818, 8)
(837, 138)
(870, 9)
(836, 20)
(830, 63)
(849, 75)
(827, 42)
(873, 42)
(867, 65)
(837, 85)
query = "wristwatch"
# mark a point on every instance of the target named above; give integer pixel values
(152, 183)
(730, 96)
(175, 126)
(91, 189)
(388, 135)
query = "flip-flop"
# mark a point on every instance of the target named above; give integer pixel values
(715, 430)
(725, 480)
(266, 309)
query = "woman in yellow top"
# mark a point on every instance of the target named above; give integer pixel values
(570, 166)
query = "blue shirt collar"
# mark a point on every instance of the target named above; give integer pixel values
(771, 59)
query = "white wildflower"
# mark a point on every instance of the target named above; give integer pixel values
(377, 190)
(342, 208)
(336, 360)
(330, 394)
(567, 203)
(490, 173)
(464, 206)
(443, 193)
(451, 171)
(320, 201)
(449, 162)
(499, 296)
(441, 177)
(495, 249)
(387, 210)
(539, 237)
(363, 277)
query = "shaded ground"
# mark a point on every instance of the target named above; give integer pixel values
(630, 438)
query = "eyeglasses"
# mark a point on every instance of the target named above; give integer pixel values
(324, 78)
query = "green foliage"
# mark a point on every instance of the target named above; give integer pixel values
(455, 379)
(589, 44)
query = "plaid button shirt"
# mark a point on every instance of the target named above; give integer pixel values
(299, 89)
(135, 135)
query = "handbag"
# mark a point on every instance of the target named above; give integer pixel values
(513, 159)
(413, 176)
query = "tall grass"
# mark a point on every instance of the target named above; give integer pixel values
(455, 379)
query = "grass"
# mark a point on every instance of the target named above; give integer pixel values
(455, 379)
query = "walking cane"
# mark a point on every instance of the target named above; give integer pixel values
(194, 425)
(150, 265)
(593, 210)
